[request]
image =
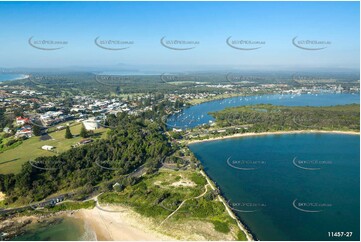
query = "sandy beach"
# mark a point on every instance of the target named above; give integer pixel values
(273, 133)
(23, 77)
(2, 196)
(122, 225)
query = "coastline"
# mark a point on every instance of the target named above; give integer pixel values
(110, 223)
(23, 76)
(272, 133)
(20, 77)
(122, 223)
(119, 224)
(241, 226)
(195, 102)
(15, 225)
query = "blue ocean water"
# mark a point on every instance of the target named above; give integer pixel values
(289, 187)
(9, 77)
(69, 229)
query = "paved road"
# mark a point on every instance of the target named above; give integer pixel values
(50, 201)
(136, 173)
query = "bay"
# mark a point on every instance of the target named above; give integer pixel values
(277, 199)
(68, 229)
(198, 114)
(9, 77)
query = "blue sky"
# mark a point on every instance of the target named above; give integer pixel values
(209, 23)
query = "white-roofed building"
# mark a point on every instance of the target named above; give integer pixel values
(91, 124)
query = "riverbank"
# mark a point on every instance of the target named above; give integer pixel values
(272, 133)
(220, 97)
(215, 98)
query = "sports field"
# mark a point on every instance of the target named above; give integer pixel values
(11, 160)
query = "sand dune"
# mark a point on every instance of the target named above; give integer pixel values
(123, 225)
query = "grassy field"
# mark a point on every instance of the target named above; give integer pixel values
(199, 211)
(11, 160)
(156, 195)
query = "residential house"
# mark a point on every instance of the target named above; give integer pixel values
(21, 120)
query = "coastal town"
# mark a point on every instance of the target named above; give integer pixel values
(180, 121)
(29, 107)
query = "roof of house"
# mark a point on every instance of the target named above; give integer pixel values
(84, 141)
(21, 118)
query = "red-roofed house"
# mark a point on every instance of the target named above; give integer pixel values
(24, 131)
(21, 120)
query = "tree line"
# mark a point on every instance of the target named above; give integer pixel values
(267, 117)
(132, 142)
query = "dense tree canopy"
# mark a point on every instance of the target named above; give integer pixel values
(133, 143)
(267, 117)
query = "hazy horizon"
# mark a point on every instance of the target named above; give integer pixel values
(159, 69)
(216, 35)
